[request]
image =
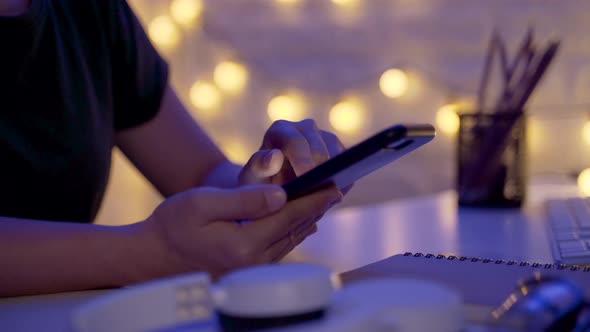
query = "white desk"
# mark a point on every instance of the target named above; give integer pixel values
(353, 237)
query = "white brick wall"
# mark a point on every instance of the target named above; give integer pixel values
(318, 49)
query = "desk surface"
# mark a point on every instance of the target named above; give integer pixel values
(353, 237)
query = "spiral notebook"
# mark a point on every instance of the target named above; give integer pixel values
(485, 282)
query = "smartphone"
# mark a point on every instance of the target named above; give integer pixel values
(354, 163)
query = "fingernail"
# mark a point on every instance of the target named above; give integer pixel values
(315, 230)
(267, 159)
(275, 198)
(310, 232)
(337, 199)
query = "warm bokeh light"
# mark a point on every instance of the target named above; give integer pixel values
(204, 96)
(586, 132)
(287, 2)
(447, 119)
(230, 77)
(394, 83)
(534, 135)
(286, 107)
(347, 116)
(186, 12)
(584, 182)
(235, 150)
(346, 3)
(163, 32)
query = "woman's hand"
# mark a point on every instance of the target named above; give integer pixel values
(197, 229)
(288, 150)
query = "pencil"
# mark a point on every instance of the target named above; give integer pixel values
(535, 75)
(485, 77)
(517, 71)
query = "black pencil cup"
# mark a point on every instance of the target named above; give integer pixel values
(491, 159)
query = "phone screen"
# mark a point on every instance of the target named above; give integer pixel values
(352, 164)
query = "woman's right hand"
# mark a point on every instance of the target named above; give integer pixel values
(197, 229)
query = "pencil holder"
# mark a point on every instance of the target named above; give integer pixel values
(491, 159)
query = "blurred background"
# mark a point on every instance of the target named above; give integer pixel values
(357, 66)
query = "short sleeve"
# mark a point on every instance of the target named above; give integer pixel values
(139, 73)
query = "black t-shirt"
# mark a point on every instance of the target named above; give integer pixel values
(72, 73)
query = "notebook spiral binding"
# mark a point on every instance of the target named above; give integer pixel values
(501, 261)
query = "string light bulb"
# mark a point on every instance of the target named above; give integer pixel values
(584, 182)
(163, 32)
(394, 83)
(346, 3)
(186, 12)
(204, 96)
(235, 150)
(586, 132)
(286, 107)
(347, 116)
(534, 135)
(230, 77)
(447, 119)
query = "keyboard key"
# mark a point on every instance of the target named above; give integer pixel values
(567, 236)
(584, 234)
(580, 212)
(569, 221)
(572, 246)
(571, 236)
(576, 254)
(560, 216)
(565, 226)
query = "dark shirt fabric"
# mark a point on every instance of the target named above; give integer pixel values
(72, 74)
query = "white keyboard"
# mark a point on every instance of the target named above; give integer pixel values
(569, 229)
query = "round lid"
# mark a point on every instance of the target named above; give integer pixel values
(408, 304)
(275, 290)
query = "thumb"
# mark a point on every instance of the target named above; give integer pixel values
(262, 165)
(247, 202)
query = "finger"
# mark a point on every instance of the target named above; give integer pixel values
(278, 250)
(280, 245)
(285, 136)
(333, 143)
(262, 166)
(299, 229)
(319, 150)
(309, 232)
(335, 147)
(267, 230)
(283, 247)
(248, 202)
(346, 189)
(311, 229)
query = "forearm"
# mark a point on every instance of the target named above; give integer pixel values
(224, 175)
(45, 257)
